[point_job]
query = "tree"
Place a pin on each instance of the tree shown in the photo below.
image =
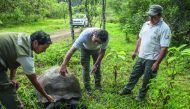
(24, 11)
(87, 12)
(132, 14)
(92, 10)
(103, 14)
(71, 20)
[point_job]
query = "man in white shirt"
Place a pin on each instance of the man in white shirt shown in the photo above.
(152, 45)
(91, 42)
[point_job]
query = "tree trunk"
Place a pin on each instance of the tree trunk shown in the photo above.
(71, 20)
(103, 14)
(87, 12)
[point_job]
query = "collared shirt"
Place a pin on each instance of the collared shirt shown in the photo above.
(85, 40)
(27, 63)
(153, 37)
(18, 48)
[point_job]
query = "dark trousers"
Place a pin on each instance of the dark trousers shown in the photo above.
(85, 61)
(8, 96)
(142, 66)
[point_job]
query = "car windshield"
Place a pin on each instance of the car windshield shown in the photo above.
(79, 16)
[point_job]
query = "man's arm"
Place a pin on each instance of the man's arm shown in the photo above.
(12, 76)
(68, 56)
(136, 49)
(38, 87)
(162, 54)
(99, 59)
(100, 56)
(164, 43)
(28, 66)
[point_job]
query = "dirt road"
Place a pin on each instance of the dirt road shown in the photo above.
(60, 35)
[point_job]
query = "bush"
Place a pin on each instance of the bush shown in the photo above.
(59, 10)
(133, 13)
(24, 11)
(167, 89)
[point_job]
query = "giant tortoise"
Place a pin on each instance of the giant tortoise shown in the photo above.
(63, 89)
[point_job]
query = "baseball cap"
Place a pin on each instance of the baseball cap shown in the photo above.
(155, 10)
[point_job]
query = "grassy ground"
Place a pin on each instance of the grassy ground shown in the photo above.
(48, 25)
(117, 55)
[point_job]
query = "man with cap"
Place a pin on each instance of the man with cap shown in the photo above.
(151, 47)
(91, 42)
(16, 50)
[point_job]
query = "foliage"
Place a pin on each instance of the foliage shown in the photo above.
(172, 80)
(129, 13)
(119, 58)
(133, 13)
(58, 10)
(27, 93)
(24, 11)
(109, 98)
(54, 56)
(166, 88)
(92, 9)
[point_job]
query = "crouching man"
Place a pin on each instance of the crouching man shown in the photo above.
(91, 42)
(16, 50)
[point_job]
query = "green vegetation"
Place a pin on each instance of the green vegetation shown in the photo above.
(169, 90)
(116, 69)
(24, 11)
(132, 14)
(48, 25)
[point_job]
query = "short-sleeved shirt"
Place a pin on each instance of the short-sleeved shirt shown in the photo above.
(27, 64)
(85, 40)
(18, 48)
(153, 37)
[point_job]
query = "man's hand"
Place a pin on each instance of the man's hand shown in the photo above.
(63, 70)
(14, 83)
(12, 78)
(50, 99)
(155, 66)
(94, 69)
(39, 88)
(134, 55)
(162, 54)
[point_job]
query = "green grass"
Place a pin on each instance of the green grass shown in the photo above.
(117, 38)
(48, 25)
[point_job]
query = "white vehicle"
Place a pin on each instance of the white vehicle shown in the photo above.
(80, 20)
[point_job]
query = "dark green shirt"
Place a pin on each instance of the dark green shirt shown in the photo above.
(12, 46)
